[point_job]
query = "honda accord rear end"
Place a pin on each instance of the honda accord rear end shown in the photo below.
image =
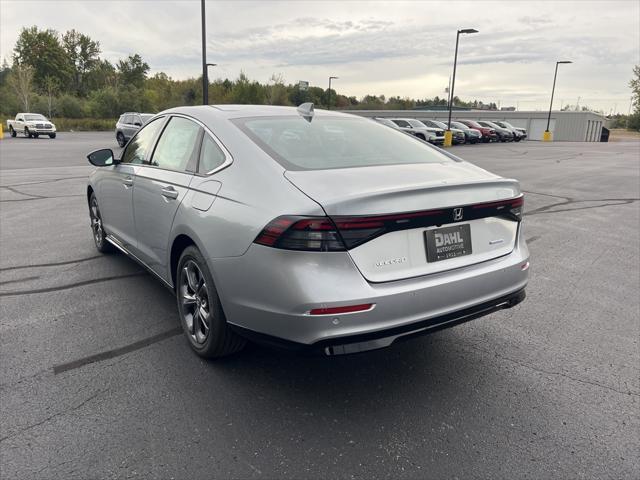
(406, 239)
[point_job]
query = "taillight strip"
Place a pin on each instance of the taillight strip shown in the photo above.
(512, 202)
(339, 233)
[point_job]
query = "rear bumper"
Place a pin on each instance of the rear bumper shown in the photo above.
(383, 338)
(270, 292)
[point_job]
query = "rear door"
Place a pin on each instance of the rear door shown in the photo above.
(161, 185)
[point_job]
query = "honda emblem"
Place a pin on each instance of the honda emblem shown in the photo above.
(457, 214)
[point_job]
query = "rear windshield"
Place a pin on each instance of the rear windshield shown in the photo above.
(330, 142)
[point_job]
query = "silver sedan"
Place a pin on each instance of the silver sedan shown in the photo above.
(309, 230)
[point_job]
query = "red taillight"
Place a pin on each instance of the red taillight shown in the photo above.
(270, 234)
(299, 233)
(338, 310)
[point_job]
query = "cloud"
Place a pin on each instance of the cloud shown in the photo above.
(534, 21)
(391, 48)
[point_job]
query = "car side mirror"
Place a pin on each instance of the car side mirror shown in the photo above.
(102, 158)
(138, 124)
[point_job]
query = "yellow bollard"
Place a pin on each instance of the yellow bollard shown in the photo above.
(547, 136)
(1, 132)
(448, 138)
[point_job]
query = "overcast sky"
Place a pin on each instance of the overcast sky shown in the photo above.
(390, 48)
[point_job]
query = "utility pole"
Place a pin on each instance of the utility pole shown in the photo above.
(205, 78)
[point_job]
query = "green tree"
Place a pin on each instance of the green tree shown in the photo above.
(83, 55)
(247, 92)
(133, 71)
(50, 89)
(41, 50)
(70, 106)
(21, 80)
(276, 91)
(634, 120)
(102, 75)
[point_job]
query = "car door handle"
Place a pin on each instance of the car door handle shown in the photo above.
(170, 192)
(128, 182)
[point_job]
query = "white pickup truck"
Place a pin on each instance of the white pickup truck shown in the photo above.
(31, 125)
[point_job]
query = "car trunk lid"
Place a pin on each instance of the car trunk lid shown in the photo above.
(417, 205)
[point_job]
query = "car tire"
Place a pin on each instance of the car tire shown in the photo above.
(27, 133)
(421, 136)
(97, 228)
(52, 135)
(36, 135)
(12, 132)
(120, 139)
(201, 315)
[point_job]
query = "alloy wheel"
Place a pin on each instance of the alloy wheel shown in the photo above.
(96, 223)
(194, 296)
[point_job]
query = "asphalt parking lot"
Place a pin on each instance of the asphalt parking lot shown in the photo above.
(95, 382)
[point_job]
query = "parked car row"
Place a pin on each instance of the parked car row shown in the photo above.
(464, 131)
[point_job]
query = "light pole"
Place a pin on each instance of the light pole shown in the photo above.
(206, 85)
(329, 92)
(205, 80)
(448, 136)
(546, 136)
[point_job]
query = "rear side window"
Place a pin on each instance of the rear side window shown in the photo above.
(211, 155)
(177, 145)
(138, 148)
(335, 142)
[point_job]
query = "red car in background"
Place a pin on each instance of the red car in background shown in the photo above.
(488, 134)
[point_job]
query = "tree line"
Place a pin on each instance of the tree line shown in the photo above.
(64, 75)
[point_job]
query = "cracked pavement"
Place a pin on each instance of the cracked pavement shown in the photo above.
(96, 382)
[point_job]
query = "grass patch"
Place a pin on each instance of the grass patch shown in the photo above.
(621, 135)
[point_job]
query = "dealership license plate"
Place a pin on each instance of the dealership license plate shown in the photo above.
(448, 242)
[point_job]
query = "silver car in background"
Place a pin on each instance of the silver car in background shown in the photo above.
(128, 124)
(309, 230)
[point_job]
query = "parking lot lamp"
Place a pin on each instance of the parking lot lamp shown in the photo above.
(205, 79)
(329, 93)
(206, 86)
(448, 136)
(546, 136)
